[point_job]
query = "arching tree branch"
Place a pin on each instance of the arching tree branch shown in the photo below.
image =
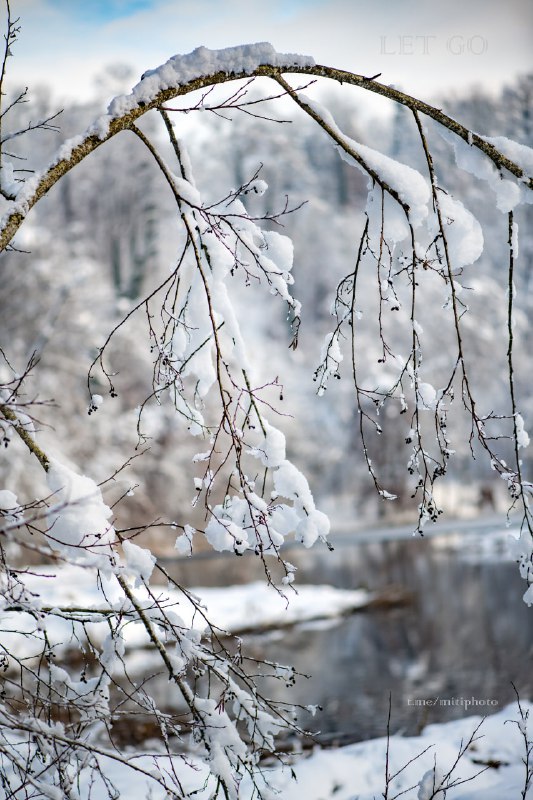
(95, 136)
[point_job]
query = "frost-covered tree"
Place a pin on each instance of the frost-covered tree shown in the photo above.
(412, 260)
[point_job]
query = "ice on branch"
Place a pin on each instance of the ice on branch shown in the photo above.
(90, 695)
(429, 786)
(388, 219)
(78, 519)
(226, 750)
(521, 548)
(258, 187)
(410, 186)
(177, 71)
(187, 191)
(263, 255)
(184, 542)
(225, 530)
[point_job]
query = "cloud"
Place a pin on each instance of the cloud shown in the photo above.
(426, 48)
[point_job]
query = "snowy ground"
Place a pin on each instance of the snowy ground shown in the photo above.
(357, 772)
(490, 768)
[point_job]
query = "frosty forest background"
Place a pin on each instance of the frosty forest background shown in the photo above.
(265, 378)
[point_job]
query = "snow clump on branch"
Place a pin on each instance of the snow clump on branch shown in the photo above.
(182, 69)
(78, 521)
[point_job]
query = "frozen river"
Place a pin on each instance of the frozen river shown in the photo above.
(453, 649)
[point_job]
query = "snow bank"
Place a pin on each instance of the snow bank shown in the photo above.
(233, 609)
(346, 773)
(357, 771)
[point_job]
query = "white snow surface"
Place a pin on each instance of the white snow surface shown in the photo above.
(8, 500)
(411, 187)
(139, 561)
(182, 69)
(260, 605)
(355, 772)
(271, 450)
(78, 519)
(462, 230)
(521, 154)
(509, 193)
(522, 436)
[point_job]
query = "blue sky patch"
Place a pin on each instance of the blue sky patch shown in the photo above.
(101, 11)
(290, 8)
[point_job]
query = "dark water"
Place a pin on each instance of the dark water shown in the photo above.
(464, 638)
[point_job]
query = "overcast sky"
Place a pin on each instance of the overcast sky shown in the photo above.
(421, 45)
